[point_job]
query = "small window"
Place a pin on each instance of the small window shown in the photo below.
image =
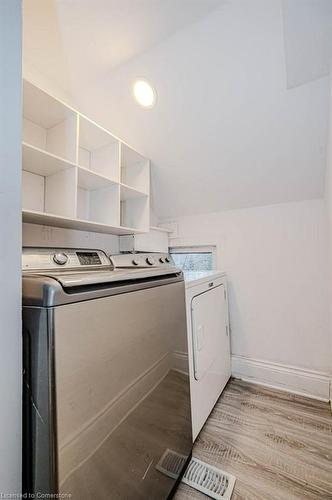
(193, 258)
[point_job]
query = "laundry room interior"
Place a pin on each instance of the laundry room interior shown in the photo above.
(166, 249)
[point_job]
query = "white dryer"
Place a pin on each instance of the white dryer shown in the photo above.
(208, 341)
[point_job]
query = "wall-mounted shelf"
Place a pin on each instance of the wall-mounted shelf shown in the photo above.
(128, 193)
(161, 229)
(41, 162)
(35, 217)
(91, 180)
(78, 175)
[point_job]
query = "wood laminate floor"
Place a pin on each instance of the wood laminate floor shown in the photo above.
(278, 445)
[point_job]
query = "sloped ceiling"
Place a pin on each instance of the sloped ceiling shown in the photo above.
(308, 39)
(76, 42)
(225, 132)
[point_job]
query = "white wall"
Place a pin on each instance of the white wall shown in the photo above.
(45, 236)
(276, 262)
(328, 206)
(10, 246)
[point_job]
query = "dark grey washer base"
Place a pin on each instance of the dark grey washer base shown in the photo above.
(39, 467)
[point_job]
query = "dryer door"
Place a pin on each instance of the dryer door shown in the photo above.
(208, 329)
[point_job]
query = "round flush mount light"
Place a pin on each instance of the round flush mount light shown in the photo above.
(144, 93)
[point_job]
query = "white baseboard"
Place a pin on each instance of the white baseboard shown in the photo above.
(180, 361)
(283, 377)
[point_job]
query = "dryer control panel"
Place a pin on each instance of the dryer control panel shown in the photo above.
(127, 260)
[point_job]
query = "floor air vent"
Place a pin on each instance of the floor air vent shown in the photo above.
(209, 480)
(171, 463)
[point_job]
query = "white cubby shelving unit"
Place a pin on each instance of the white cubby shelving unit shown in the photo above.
(78, 175)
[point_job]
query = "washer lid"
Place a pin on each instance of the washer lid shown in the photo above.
(81, 278)
(48, 289)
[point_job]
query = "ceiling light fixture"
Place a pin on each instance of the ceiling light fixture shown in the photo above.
(144, 93)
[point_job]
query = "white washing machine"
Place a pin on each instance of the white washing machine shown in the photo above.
(208, 341)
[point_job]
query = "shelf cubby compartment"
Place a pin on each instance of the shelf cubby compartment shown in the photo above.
(98, 198)
(135, 169)
(48, 124)
(134, 209)
(98, 150)
(52, 193)
(40, 162)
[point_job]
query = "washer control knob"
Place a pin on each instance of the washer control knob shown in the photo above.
(162, 260)
(60, 258)
(150, 260)
(168, 260)
(135, 262)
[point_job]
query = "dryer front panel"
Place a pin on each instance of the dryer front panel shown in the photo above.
(208, 329)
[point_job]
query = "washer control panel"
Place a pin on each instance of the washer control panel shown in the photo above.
(89, 258)
(125, 260)
(34, 259)
(60, 258)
